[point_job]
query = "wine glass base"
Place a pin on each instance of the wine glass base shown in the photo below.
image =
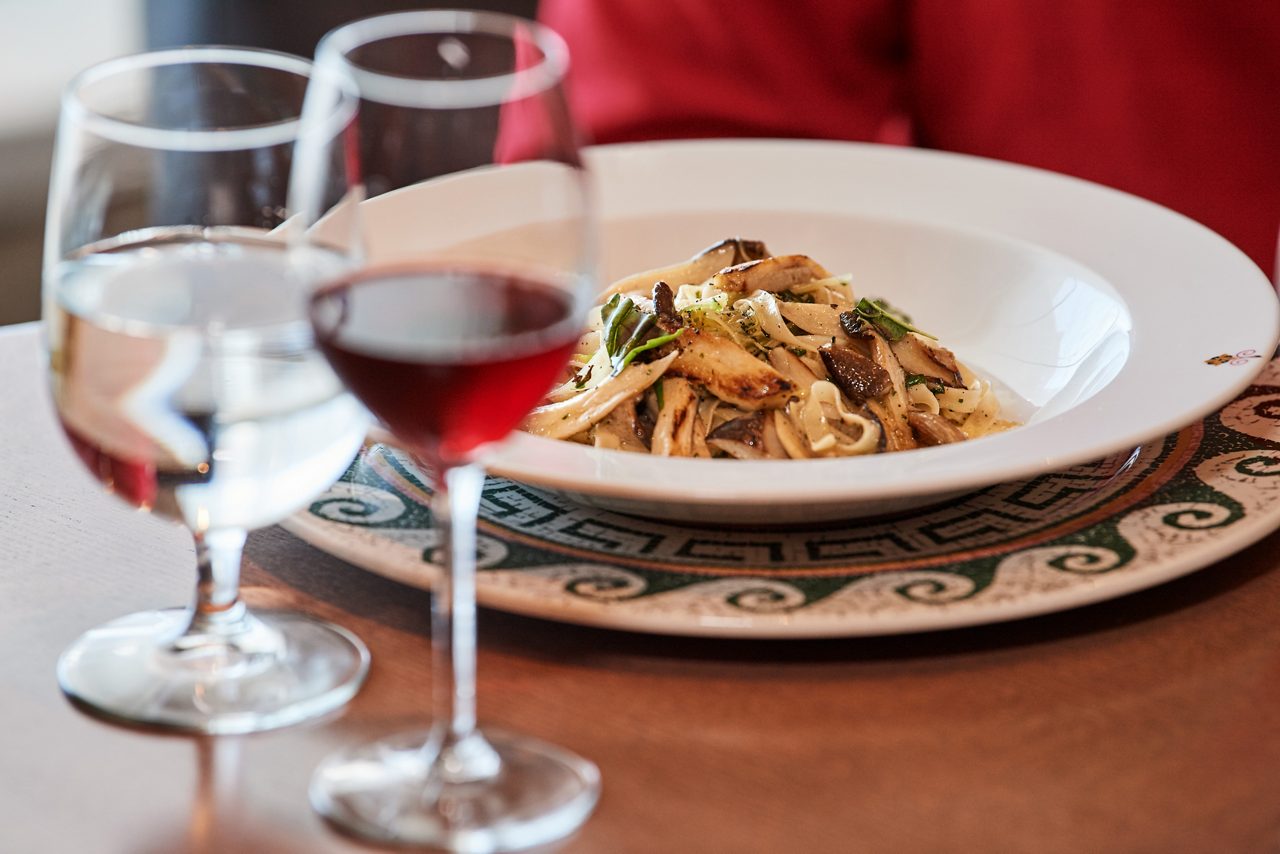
(382, 791)
(140, 669)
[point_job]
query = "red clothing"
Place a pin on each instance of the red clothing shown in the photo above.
(1178, 102)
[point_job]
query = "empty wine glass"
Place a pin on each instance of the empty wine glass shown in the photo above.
(185, 375)
(455, 167)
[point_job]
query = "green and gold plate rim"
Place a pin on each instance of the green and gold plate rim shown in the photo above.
(1085, 534)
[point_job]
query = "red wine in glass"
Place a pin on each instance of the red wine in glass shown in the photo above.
(450, 358)
(453, 129)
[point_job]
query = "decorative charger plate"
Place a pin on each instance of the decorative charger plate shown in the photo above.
(1083, 534)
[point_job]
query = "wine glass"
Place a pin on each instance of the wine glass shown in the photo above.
(185, 373)
(454, 167)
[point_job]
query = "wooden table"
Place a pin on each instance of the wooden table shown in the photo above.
(1149, 723)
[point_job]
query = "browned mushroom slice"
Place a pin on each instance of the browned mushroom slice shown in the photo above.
(933, 429)
(695, 270)
(852, 324)
(743, 250)
(729, 372)
(944, 357)
(857, 375)
(891, 408)
(664, 309)
(895, 431)
(918, 356)
(893, 419)
(673, 431)
(742, 438)
(778, 273)
(666, 320)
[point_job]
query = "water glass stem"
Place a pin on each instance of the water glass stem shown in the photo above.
(218, 609)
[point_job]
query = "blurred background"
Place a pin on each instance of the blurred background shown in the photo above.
(1175, 102)
(45, 42)
(42, 45)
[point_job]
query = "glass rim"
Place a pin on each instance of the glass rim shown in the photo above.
(434, 93)
(142, 135)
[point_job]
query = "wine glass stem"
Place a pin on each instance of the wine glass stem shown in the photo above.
(463, 754)
(218, 609)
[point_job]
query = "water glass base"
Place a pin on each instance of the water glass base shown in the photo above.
(390, 792)
(142, 669)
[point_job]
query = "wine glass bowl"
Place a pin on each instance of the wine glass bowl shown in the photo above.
(186, 377)
(449, 340)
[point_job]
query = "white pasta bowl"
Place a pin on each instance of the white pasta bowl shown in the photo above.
(1100, 316)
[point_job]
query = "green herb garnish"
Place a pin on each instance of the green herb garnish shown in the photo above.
(626, 329)
(620, 364)
(615, 313)
(657, 393)
(892, 326)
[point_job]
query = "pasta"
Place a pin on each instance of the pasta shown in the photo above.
(739, 353)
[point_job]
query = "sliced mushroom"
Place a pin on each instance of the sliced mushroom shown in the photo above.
(891, 438)
(933, 429)
(918, 355)
(773, 446)
(816, 318)
(673, 431)
(944, 357)
(742, 438)
(896, 405)
(789, 435)
(700, 446)
(794, 369)
(857, 375)
(619, 430)
(852, 324)
(570, 417)
(729, 372)
(645, 419)
(697, 269)
(667, 320)
(777, 273)
(664, 307)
